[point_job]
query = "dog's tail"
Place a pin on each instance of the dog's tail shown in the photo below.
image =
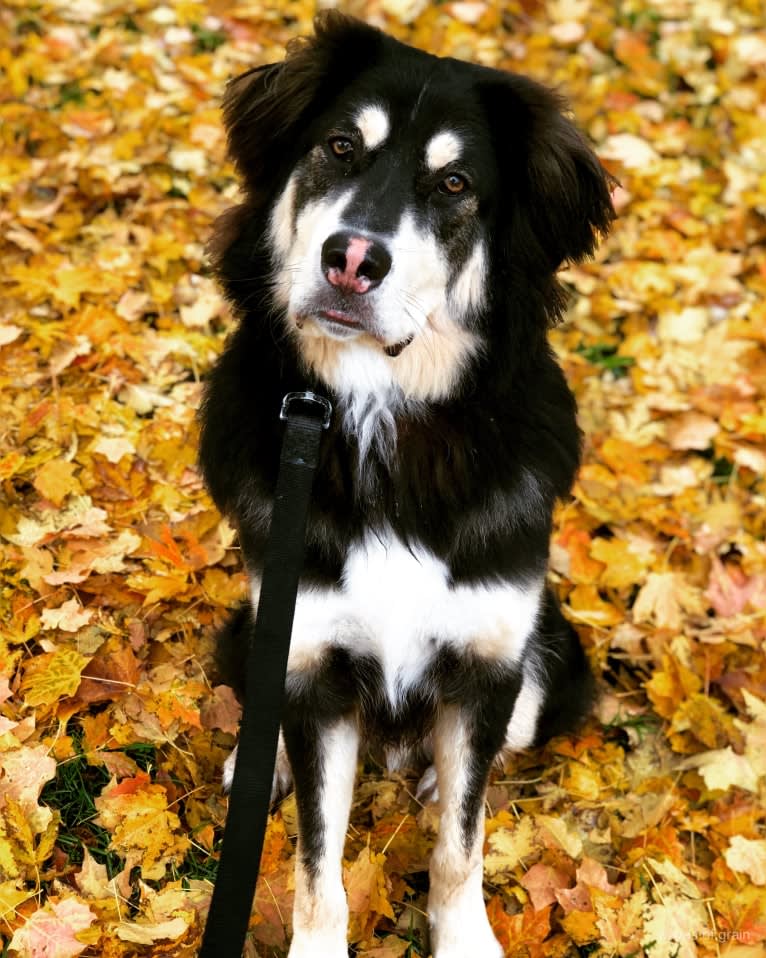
(569, 683)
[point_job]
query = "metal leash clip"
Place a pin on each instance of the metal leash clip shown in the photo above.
(310, 398)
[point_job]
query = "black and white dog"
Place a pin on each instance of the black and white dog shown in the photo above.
(403, 220)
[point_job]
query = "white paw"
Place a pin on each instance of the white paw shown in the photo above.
(462, 931)
(466, 944)
(318, 946)
(428, 787)
(283, 776)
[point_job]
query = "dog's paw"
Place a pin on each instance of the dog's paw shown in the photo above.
(318, 946)
(462, 930)
(480, 943)
(283, 776)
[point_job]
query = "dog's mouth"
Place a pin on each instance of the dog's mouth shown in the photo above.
(342, 319)
(340, 322)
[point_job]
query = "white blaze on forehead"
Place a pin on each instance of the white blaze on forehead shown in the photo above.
(443, 149)
(373, 124)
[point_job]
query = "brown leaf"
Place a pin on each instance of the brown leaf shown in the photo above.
(222, 710)
(110, 673)
(542, 882)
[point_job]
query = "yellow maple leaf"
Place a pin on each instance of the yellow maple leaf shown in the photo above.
(671, 685)
(624, 567)
(588, 606)
(704, 720)
(56, 480)
(142, 827)
(581, 926)
(368, 891)
(21, 846)
(508, 848)
(51, 676)
(71, 282)
(158, 587)
(620, 928)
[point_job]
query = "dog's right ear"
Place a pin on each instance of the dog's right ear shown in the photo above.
(265, 110)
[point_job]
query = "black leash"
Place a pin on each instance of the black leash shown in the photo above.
(307, 415)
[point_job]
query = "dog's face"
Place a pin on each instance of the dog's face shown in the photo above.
(378, 233)
(406, 197)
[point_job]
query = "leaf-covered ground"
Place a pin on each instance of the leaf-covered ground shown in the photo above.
(645, 834)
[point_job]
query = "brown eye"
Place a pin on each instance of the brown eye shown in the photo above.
(453, 184)
(342, 147)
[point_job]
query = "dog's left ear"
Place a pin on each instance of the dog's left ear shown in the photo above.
(570, 190)
(559, 185)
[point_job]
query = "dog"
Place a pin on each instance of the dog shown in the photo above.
(396, 250)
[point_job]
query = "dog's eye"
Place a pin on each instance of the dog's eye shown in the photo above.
(342, 147)
(453, 184)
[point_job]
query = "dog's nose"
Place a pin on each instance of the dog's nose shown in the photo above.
(355, 264)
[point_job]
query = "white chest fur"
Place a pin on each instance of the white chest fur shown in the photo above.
(396, 603)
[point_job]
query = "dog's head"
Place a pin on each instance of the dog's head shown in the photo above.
(406, 198)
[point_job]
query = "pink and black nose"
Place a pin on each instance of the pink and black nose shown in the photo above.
(355, 264)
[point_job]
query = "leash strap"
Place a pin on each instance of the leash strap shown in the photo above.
(307, 415)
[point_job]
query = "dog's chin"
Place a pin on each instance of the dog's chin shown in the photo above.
(343, 327)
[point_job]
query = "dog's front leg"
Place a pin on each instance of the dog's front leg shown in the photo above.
(323, 759)
(462, 756)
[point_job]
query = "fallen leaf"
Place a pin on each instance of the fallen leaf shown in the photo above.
(56, 480)
(114, 448)
(69, 617)
(673, 927)
(542, 882)
(747, 856)
(142, 828)
(724, 769)
(507, 849)
(368, 893)
(51, 931)
(223, 711)
(51, 676)
(665, 598)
